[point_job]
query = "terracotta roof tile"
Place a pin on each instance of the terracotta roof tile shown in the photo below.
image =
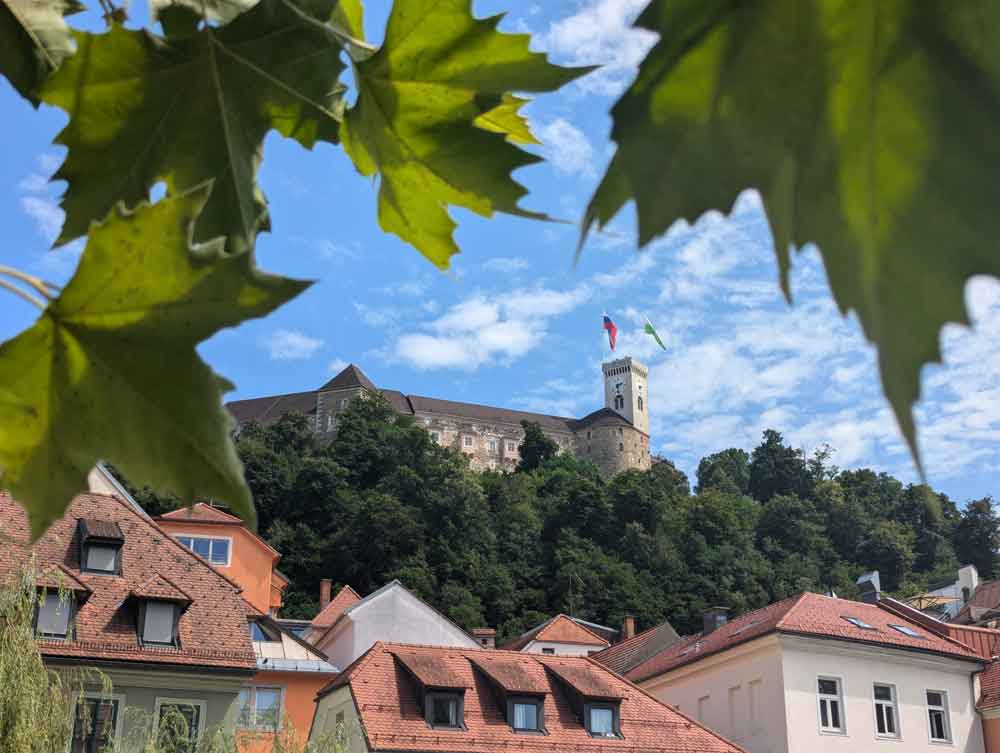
(201, 512)
(387, 700)
(429, 670)
(345, 598)
(558, 629)
(989, 686)
(159, 587)
(985, 599)
(101, 529)
(56, 576)
(631, 652)
(511, 674)
(213, 629)
(804, 614)
(585, 678)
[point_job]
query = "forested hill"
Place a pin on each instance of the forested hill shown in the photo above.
(507, 550)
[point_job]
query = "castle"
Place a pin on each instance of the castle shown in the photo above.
(615, 437)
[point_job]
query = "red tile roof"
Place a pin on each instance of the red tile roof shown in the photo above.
(989, 686)
(202, 513)
(588, 679)
(387, 702)
(56, 576)
(621, 657)
(805, 614)
(985, 599)
(345, 598)
(428, 670)
(558, 629)
(159, 587)
(213, 629)
(510, 673)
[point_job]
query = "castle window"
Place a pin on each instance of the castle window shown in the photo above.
(467, 440)
(511, 447)
(343, 403)
(620, 433)
(492, 444)
(588, 435)
(619, 402)
(640, 402)
(621, 447)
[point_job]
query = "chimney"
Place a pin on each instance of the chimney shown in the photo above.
(486, 637)
(870, 588)
(628, 627)
(714, 618)
(325, 586)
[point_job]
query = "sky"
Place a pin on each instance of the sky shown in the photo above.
(513, 323)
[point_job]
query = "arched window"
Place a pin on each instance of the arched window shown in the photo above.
(640, 402)
(619, 402)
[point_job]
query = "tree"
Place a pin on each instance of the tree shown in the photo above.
(977, 537)
(727, 471)
(889, 548)
(536, 448)
(776, 468)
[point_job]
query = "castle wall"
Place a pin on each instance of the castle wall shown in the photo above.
(613, 448)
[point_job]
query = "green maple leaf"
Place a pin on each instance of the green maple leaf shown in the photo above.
(34, 40)
(506, 118)
(194, 107)
(417, 119)
(109, 371)
(868, 127)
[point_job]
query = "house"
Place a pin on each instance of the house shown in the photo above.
(635, 649)
(563, 635)
(290, 671)
(166, 628)
(816, 673)
(946, 598)
(231, 547)
(424, 699)
(390, 614)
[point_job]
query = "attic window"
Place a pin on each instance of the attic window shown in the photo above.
(907, 631)
(858, 622)
(54, 615)
(259, 632)
(101, 544)
(525, 714)
(603, 719)
(444, 710)
(158, 622)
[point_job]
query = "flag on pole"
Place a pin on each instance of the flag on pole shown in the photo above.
(612, 330)
(648, 329)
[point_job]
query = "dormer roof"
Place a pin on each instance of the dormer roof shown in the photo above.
(160, 589)
(350, 377)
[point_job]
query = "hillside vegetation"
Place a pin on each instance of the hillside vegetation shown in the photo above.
(382, 501)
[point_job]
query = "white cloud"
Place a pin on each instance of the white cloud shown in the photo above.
(289, 345)
(567, 148)
(601, 32)
(376, 316)
(337, 365)
(506, 264)
(46, 215)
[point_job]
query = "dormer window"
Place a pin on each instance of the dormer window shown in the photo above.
(101, 544)
(602, 719)
(158, 622)
(444, 710)
(54, 615)
(525, 714)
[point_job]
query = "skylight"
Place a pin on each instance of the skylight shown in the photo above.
(906, 631)
(857, 622)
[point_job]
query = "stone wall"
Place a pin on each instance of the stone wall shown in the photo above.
(613, 448)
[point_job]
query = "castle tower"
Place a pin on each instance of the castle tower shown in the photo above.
(626, 391)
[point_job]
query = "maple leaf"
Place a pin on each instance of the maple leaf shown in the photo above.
(418, 120)
(109, 371)
(193, 107)
(34, 40)
(868, 128)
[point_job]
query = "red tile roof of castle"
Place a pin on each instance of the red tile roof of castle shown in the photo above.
(386, 696)
(558, 629)
(806, 614)
(213, 628)
(346, 597)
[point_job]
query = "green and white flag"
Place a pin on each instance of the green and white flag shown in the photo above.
(648, 329)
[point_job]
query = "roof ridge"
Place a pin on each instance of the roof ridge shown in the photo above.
(577, 624)
(797, 600)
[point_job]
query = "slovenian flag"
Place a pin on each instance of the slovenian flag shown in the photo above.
(612, 330)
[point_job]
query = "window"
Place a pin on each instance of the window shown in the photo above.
(260, 708)
(588, 435)
(621, 447)
(602, 719)
(937, 716)
(101, 544)
(857, 622)
(215, 551)
(54, 613)
(511, 446)
(95, 724)
(908, 631)
(831, 715)
(492, 445)
(344, 402)
(619, 402)
(886, 714)
(102, 558)
(525, 714)
(640, 403)
(259, 632)
(444, 710)
(180, 722)
(548, 650)
(467, 440)
(158, 622)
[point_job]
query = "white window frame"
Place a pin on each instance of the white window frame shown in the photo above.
(492, 445)
(192, 537)
(839, 698)
(468, 440)
(892, 703)
(945, 710)
(253, 708)
(97, 695)
(167, 701)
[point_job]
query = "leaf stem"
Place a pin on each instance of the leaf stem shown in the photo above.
(43, 287)
(21, 292)
(357, 49)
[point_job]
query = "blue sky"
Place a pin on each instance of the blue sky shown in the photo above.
(513, 324)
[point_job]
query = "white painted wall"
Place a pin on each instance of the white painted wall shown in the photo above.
(738, 694)
(803, 659)
(393, 615)
(329, 707)
(562, 649)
